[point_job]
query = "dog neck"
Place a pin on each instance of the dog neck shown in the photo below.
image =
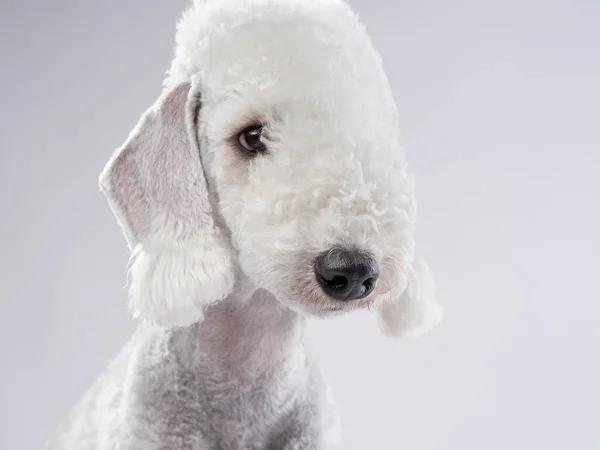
(251, 335)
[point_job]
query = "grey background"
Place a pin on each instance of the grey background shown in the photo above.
(500, 103)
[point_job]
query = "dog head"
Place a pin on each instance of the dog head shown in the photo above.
(273, 155)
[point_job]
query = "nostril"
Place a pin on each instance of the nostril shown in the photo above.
(337, 282)
(369, 284)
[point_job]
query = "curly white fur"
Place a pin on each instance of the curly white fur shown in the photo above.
(224, 245)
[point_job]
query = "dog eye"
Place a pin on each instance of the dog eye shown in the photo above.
(250, 140)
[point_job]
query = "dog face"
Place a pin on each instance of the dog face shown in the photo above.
(307, 169)
(282, 111)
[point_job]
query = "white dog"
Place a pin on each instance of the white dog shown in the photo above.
(265, 185)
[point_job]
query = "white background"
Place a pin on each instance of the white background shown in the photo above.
(500, 105)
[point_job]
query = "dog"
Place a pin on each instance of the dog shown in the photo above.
(266, 185)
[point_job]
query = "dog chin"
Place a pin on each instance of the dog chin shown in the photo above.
(325, 312)
(333, 311)
(311, 303)
(324, 309)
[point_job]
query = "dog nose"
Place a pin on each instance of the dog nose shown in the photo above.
(346, 274)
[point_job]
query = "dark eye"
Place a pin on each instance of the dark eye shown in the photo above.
(250, 140)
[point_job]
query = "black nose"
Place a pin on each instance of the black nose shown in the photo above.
(346, 274)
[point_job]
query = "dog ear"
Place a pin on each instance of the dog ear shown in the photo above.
(156, 187)
(416, 311)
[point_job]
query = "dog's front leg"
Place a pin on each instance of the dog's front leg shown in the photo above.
(299, 435)
(309, 428)
(302, 443)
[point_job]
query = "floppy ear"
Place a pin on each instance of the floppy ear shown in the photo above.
(156, 187)
(416, 311)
